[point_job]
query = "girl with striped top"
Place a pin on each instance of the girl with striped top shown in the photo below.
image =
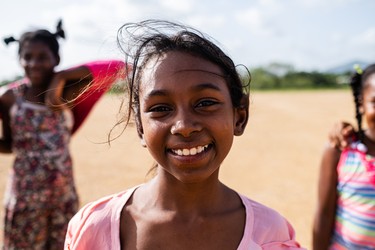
(345, 216)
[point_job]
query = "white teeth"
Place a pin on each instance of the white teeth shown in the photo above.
(185, 151)
(191, 151)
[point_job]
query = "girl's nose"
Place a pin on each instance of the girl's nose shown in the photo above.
(30, 63)
(34, 62)
(185, 126)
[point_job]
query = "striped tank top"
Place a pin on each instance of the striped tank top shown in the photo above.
(355, 212)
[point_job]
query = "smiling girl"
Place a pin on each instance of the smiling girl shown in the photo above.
(345, 215)
(188, 103)
(37, 123)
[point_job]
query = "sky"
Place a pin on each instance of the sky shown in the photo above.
(307, 34)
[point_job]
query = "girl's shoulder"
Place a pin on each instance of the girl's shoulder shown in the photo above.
(9, 92)
(102, 207)
(8, 98)
(260, 214)
(97, 218)
(355, 151)
(268, 228)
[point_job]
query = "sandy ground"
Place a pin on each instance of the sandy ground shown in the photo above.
(275, 162)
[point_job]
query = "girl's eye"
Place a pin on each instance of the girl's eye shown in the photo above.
(159, 108)
(42, 58)
(159, 111)
(26, 57)
(206, 103)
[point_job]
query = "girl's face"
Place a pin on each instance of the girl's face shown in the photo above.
(369, 101)
(38, 62)
(187, 117)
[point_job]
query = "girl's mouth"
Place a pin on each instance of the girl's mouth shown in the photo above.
(190, 151)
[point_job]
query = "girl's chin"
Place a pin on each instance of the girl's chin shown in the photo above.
(38, 81)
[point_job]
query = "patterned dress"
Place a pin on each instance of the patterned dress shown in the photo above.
(355, 212)
(41, 197)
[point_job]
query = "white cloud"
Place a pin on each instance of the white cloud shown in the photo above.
(324, 3)
(178, 6)
(253, 20)
(367, 37)
(212, 22)
(307, 33)
(272, 5)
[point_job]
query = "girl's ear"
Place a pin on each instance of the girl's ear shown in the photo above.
(241, 116)
(143, 142)
(138, 123)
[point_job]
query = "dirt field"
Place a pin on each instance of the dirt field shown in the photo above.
(275, 162)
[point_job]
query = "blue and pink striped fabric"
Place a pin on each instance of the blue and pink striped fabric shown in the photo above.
(355, 213)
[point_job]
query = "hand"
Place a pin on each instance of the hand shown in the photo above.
(341, 135)
(66, 85)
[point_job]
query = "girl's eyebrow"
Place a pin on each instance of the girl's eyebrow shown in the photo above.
(156, 92)
(207, 85)
(201, 86)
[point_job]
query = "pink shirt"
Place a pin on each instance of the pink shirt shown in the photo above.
(97, 226)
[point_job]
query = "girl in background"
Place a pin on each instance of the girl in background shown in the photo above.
(188, 103)
(39, 115)
(345, 216)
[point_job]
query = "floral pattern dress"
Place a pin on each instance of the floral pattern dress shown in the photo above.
(41, 196)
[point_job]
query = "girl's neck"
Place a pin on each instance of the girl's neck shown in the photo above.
(369, 141)
(187, 198)
(370, 135)
(35, 94)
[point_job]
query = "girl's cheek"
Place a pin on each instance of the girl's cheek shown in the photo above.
(23, 62)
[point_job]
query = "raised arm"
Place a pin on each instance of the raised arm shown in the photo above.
(67, 85)
(81, 87)
(92, 78)
(327, 198)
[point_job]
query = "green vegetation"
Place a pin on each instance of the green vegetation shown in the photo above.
(278, 76)
(5, 82)
(275, 76)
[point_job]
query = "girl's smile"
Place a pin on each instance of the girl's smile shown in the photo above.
(38, 61)
(190, 151)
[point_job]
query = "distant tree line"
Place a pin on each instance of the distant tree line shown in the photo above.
(284, 76)
(5, 82)
(274, 76)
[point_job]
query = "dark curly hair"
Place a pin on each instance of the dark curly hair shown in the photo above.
(358, 84)
(48, 38)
